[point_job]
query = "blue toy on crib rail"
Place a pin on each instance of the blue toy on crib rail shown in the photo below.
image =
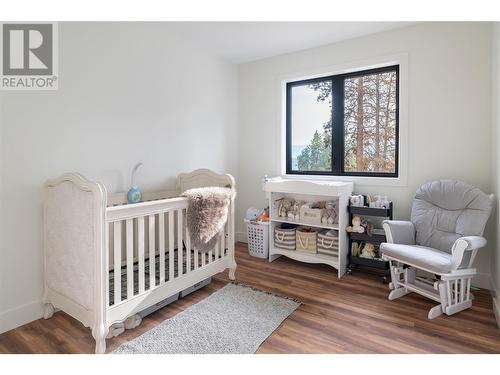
(134, 194)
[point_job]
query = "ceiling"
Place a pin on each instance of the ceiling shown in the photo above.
(241, 42)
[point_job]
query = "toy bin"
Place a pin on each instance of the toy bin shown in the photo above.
(306, 240)
(328, 243)
(284, 238)
(258, 238)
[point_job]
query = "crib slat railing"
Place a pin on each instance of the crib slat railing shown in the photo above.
(117, 272)
(152, 251)
(132, 211)
(171, 259)
(153, 239)
(188, 250)
(161, 246)
(217, 247)
(140, 253)
(196, 259)
(222, 244)
(129, 228)
(179, 243)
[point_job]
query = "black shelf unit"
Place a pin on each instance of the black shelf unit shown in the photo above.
(373, 266)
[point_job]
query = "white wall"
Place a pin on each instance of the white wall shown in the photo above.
(127, 93)
(449, 110)
(495, 256)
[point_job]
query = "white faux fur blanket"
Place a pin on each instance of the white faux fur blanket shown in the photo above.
(206, 215)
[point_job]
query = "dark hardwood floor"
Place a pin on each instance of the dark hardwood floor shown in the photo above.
(348, 315)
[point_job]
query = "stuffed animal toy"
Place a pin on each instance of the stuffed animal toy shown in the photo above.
(253, 213)
(294, 211)
(356, 225)
(320, 204)
(368, 227)
(285, 206)
(264, 216)
(368, 251)
(330, 214)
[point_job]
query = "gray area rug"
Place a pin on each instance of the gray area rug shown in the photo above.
(235, 320)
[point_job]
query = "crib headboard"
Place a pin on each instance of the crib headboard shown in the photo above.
(202, 178)
(73, 230)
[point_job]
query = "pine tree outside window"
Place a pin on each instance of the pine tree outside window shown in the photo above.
(344, 125)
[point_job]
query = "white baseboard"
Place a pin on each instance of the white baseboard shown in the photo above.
(496, 310)
(482, 280)
(241, 237)
(20, 315)
(496, 303)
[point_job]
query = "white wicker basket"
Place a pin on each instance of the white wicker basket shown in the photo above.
(258, 238)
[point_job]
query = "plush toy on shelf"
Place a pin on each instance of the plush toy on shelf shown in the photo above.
(330, 214)
(368, 251)
(294, 211)
(356, 226)
(368, 227)
(284, 206)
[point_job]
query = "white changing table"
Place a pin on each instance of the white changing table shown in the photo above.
(309, 191)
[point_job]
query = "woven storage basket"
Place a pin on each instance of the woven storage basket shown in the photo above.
(306, 241)
(328, 243)
(284, 238)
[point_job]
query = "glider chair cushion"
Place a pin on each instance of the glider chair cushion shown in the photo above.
(443, 211)
(398, 231)
(420, 256)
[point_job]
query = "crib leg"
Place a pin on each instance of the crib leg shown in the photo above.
(232, 262)
(99, 333)
(232, 272)
(232, 265)
(48, 310)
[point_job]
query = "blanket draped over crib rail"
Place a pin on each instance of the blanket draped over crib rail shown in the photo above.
(206, 215)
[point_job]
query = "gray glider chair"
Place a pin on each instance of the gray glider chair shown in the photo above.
(447, 223)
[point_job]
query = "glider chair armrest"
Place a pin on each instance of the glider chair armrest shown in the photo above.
(463, 245)
(399, 232)
(472, 242)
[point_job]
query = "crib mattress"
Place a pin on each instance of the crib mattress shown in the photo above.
(147, 274)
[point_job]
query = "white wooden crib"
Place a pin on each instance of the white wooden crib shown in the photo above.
(106, 260)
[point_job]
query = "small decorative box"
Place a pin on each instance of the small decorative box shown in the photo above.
(310, 215)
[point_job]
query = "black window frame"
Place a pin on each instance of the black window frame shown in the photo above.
(338, 124)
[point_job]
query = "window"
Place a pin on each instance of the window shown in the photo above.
(344, 125)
